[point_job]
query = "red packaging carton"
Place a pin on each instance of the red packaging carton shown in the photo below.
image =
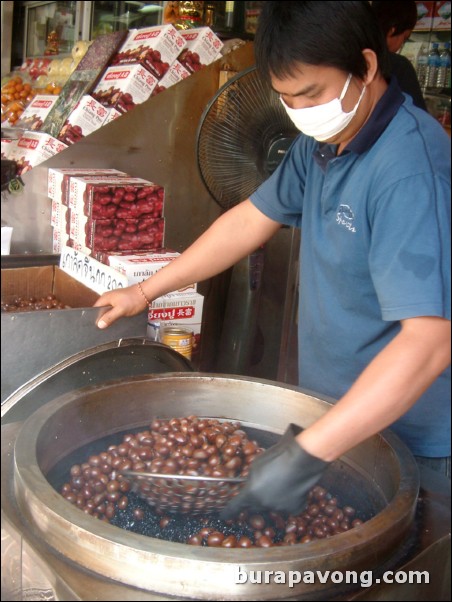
(112, 115)
(125, 86)
(9, 148)
(176, 309)
(203, 47)
(33, 148)
(119, 198)
(58, 179)
(175, 74)
(156, 48)
(87, 117)
(98, 236)
(83, 79)
(36, 112)
(139, 267)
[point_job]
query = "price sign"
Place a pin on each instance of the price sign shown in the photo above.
(90, 272)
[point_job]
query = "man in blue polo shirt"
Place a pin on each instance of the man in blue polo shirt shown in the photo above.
(368, 183)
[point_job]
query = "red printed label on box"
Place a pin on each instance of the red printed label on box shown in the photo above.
(176, 306)
(166, 314)
(36, 112)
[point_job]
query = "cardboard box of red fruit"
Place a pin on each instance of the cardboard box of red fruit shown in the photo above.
(58, 182)
(112, 115)
(96, 236)
(175, 74)
(8, 148)
(119, 198)
(87, 117)
(36, 112)
(33, 148)
(203, 47)
(83, 79)
(58, 179)
(156, 48)
(124, 86)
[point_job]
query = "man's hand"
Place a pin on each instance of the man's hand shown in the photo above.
(279, 479)
(124, 302)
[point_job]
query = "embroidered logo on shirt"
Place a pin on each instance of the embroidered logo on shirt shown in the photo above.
(346, 217)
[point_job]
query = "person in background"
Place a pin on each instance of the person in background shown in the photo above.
(397, 21)
(368, 183)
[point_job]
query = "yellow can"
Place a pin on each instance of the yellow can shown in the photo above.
(179, 339)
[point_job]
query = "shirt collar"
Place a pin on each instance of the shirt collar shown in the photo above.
(381, 116)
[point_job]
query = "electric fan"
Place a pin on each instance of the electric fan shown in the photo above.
(243, 136)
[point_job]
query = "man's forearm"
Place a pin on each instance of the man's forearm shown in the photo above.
(387, 388)
(234, 235)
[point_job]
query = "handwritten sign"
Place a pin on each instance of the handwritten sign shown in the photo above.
(90, 272)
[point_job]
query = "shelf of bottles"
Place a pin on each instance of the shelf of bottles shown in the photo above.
(428, 48)
(433, 69)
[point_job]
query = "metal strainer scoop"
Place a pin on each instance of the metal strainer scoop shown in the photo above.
(184, 493)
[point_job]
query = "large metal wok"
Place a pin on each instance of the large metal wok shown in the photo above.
(380, 476)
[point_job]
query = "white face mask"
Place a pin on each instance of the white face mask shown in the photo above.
(323, 122)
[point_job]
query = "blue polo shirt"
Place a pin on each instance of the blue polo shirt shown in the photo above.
(375, 249)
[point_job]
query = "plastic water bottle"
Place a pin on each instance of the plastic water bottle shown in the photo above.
(432, 66)
(443, 77)
(421, 66)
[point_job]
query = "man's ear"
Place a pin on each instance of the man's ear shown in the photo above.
(372, 65)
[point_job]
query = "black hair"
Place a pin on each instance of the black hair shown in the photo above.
(333, 34)
(401, 16)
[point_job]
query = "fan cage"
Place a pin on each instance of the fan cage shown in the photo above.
(237, 131)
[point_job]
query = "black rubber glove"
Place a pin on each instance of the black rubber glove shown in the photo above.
(279, 479)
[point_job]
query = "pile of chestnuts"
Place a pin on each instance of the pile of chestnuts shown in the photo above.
(34, 303)
(195, 446)
(321, 519)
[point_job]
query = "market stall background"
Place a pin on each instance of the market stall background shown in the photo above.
(156, 141)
